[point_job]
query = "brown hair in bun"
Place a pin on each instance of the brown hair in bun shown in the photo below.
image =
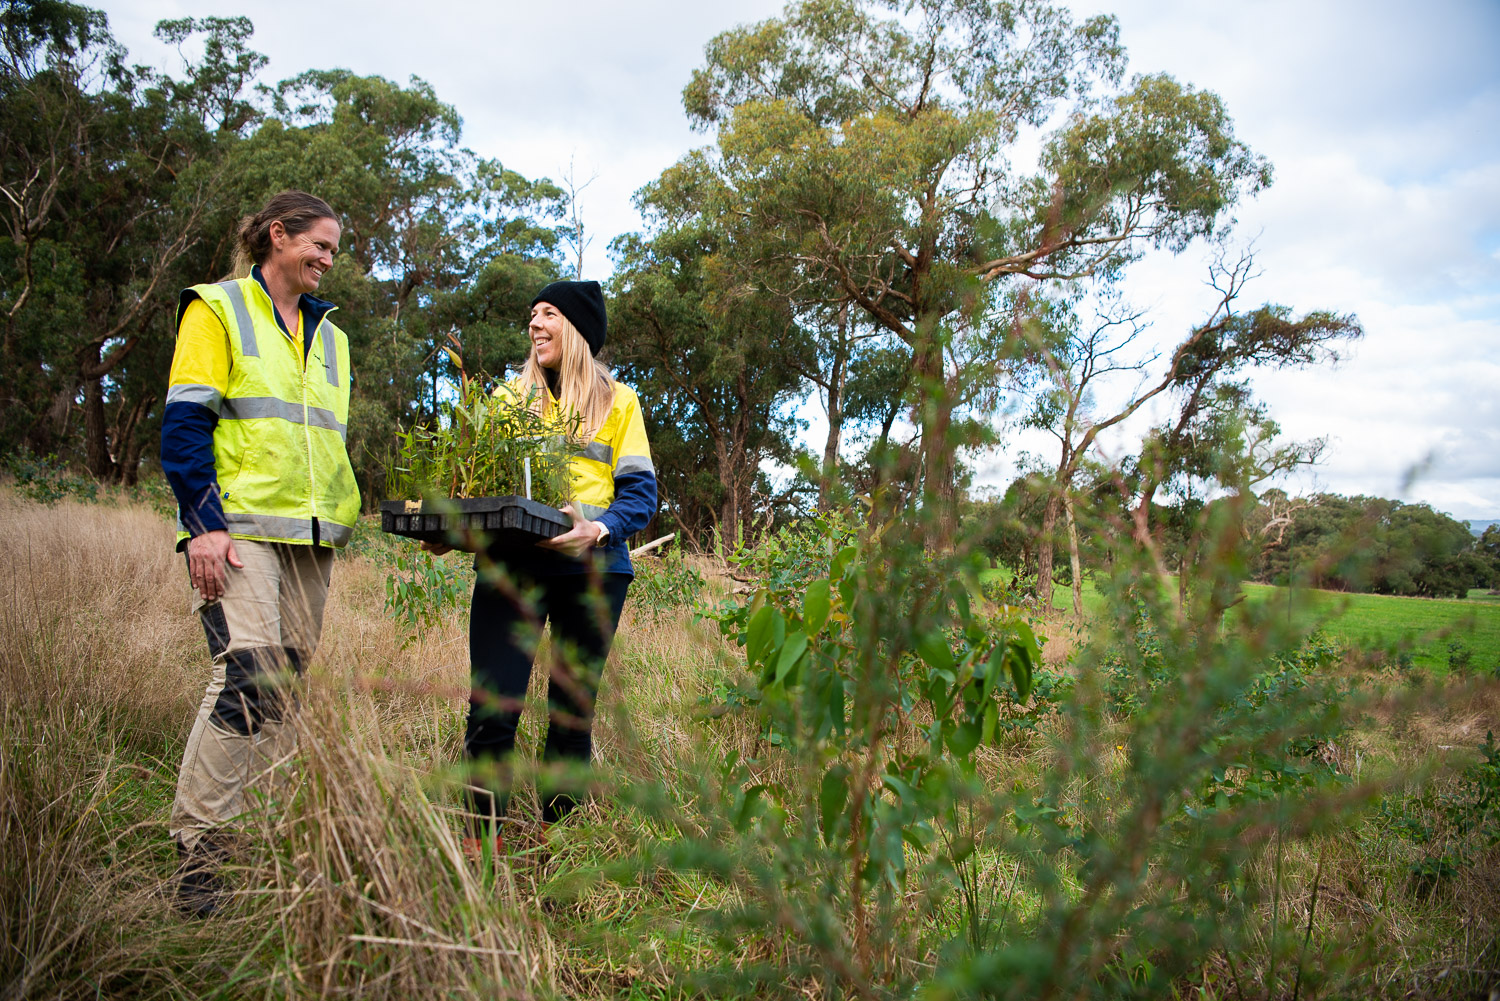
(297, 211)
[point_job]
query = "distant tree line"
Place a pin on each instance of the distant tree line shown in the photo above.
(1360, 544)
(1377, 545)
(858, 226)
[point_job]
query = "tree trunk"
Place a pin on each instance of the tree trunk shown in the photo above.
(96, 435)
(1182, 575)
(835, 390)
(729, 507)
(1074, 561)
(127, 443)
(936, 409)
(1044, 555)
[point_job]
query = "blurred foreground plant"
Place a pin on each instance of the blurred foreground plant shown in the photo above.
(871, 808)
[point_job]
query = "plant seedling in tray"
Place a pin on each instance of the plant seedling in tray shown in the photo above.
(490, 470)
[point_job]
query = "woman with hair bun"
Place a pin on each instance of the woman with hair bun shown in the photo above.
(579, 579)
(253, 446)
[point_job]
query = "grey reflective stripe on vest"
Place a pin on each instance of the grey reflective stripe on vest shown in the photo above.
(589, 511)
(599, 452)
(245, 408)
(635, 464)
(267, 526)
(206, 396)
(248, 347)
(330, 355)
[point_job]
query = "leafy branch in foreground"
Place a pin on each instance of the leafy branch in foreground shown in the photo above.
(880, 825)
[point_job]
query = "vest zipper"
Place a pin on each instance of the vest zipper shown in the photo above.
(312, 504)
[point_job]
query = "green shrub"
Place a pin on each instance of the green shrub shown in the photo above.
(422, 590)
(664, 583)
(47, 479)
(865, 811)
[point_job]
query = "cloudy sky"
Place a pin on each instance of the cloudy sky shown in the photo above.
(1382, 122)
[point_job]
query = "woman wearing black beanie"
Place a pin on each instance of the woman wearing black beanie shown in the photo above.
(579, 578)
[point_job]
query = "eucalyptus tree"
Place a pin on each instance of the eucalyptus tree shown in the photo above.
(111, 175)
(867, 146)
(717, 373)
(1073, 358)
(1216, 432)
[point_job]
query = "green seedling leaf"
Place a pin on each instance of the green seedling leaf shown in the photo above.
(934, 650)
(833, 795)
(964, 738)
(994, 672)
(791, 652)
(841, 562)
(1020, 670)
(848, 591)
(749, 807)
(961, 602)
(758, 634)
(900, 787)
(815, 605)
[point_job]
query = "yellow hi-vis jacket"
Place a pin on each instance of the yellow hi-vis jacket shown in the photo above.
(278, 445)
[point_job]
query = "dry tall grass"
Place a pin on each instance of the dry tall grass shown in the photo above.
(349, 878)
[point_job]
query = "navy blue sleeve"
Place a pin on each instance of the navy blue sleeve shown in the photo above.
(187, 457)
(632, 508)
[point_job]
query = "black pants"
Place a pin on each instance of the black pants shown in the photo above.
(584, 610)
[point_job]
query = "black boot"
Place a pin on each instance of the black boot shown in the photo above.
(200, 886)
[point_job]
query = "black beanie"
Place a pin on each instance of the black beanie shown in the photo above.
(583, 304)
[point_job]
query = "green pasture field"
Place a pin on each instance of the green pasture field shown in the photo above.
(1436, 634)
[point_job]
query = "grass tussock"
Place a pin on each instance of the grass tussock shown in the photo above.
(348, 876)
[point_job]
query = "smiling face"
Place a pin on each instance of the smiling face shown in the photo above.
(546, 330)
(301, 259)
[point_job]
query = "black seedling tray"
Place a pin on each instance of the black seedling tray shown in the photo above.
(472, 523)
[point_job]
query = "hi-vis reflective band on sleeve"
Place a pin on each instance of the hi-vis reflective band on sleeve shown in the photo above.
(206, 396)
(635, 464)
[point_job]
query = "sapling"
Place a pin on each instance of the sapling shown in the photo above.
(486, 445)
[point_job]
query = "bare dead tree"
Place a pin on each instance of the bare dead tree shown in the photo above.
(574, 233)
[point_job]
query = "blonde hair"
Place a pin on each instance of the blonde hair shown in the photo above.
(584, 385)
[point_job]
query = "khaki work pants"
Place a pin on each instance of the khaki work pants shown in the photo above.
(261, 634)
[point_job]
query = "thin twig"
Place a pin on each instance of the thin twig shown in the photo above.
(477, 950)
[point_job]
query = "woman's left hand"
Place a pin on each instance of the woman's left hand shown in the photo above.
(577, 540)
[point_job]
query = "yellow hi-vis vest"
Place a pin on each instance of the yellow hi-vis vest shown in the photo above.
(279, 444)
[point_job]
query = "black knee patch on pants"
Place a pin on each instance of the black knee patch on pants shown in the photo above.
(254, 690)
(215, 628)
